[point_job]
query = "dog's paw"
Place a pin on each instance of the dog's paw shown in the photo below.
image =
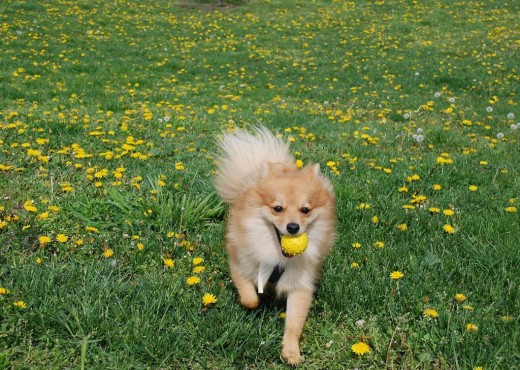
(291, 355)
(250, 301)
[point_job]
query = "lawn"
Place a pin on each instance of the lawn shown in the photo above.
(111, 236)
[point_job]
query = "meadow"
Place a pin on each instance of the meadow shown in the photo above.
(111, 235)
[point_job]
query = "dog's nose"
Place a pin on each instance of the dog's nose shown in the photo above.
(293, 228)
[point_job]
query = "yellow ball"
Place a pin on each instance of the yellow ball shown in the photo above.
(294, 245)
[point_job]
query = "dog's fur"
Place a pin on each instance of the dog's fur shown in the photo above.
(257, 175)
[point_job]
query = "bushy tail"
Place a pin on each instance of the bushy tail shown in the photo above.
(243, 156)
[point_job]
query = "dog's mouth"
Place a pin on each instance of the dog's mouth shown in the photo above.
(279, 236)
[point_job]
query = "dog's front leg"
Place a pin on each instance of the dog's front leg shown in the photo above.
(246, 289)
(298, 306)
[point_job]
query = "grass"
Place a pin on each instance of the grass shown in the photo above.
(108, 118)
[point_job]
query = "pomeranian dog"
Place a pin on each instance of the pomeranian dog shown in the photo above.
(269, 198)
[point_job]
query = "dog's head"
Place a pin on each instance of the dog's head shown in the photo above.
(292, 199)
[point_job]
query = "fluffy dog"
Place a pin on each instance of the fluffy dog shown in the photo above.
(269, 197)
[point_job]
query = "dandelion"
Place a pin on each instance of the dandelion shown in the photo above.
(29, 206)
(356, 245)
(92, 229)
(430, 313)
(402, 227)
(360, 348)
(20, 304)
(198, 269)
(192, 280)
(108, 253)
(44, 239)
(208, 299)
(396, 275)
(471, 327)
(299, 163)
(437, 95)
(402, 189)
(62, 238)
(511, 116)
(168, 262)
(473, 188)
(448, 212)
(379, 244)
(140, 246)
(354, 265)
(448, 229)
(459, 297)
(375, 220)
(511, 209)
(436, 187)
(489, 109)
(4, 291)
(360, 323)
(513, 126)
(197, 260)
(38, 261)
(282, 315)
(500, 135)
(363, 206)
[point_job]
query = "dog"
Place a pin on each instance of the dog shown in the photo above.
(270, 197)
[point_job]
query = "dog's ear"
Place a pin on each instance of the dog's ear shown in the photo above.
(313, 170)
(273, 169)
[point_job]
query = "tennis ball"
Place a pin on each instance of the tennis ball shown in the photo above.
(294, 245)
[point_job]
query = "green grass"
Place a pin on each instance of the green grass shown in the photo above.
(108, 117)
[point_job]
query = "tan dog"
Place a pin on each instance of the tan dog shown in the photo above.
(270, 197)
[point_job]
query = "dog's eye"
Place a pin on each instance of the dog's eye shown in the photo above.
(305, 210)
(278, 209)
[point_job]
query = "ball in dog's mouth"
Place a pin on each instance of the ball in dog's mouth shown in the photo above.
(293, 245)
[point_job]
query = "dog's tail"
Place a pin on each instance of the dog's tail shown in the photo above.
(244, 158)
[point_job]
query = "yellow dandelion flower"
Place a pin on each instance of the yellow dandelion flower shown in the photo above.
(471, 327)
(468, 307)
(92, 229)
(140, 246)
(402, 227)
(29, 206)
(511, 209)
(108, 253)
(198, 269)
(434, 210)
(460, 297)
(402, 189)
(436, 187)
(209, 298)
(44, 239)
(20, 304)
(360, 348)
(430, 313)
(354, 265)
(448, 212)
(192, 280)
(448, 229)
(375, 219)
(197, 260)
(168, 262)
(4, 291)
(62, 238)
(396, 275)
(356, 245)
(379, 244)
(473, 188)
(299, 163)
(39, 261)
